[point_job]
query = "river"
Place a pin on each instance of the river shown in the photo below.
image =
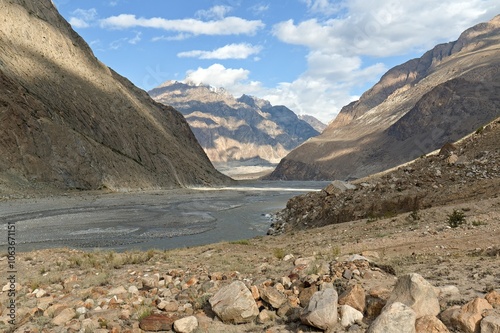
(144, 220)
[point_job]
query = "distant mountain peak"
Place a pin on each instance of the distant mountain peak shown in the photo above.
(236, 129)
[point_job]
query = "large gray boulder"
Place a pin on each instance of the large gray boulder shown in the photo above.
(322, 310)
(234, 304)
(414, 291)
(395, 318)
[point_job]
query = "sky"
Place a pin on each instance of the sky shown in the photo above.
(313, 56)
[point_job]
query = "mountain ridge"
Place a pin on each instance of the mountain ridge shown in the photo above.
(235, 129)
(360, 141)
(70, 122)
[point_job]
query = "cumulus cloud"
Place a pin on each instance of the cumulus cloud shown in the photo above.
(339, 45)
(219, 76)
(226, 26)
(231, 51)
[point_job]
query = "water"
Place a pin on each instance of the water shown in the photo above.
(160, 219)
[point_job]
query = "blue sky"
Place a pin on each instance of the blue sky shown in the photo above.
(313, 56)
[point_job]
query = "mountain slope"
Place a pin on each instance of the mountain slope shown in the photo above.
(68, 121)
(415, 108)
(232, 129)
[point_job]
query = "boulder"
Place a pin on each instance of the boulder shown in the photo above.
(234, 304)
(157, 322)
(322, 310)
(349, 315)
(414, 291)
(493, 297)
(186, 324)
(395, 318)
(490, 324)
(430, 324)
(354, 296)
(272, 296)
(470, 314)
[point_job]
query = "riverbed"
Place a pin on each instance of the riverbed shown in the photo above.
(152, 219)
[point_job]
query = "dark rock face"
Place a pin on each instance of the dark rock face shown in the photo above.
(415, 108)
(68, 121)
(232, 129)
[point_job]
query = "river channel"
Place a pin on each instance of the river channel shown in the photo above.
(144, 220)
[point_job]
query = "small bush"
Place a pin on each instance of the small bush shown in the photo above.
(279, 253)
(456, 219)
(480, 130)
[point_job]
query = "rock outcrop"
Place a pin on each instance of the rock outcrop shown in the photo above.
(70, 122)
(415, 108)
(231, 129)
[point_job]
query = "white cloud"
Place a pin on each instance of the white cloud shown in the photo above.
(78, 23)
(83, 18)
(231, 51)
(136, 39)
(226, 26)
(216, 12)
(380, 28)
(219, 76)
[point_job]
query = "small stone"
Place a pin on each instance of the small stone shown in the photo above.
(288, 257)
(493, 297)
(63, 317)
(414, 291)
(234, 304)
(186, 324)
(304, 261)
(117, 291)
(255, 292)
(265, 316)
(157, 322)
(349, 315)
(490, 324)
(133, 290)
(354, 296)
(322, 310)
(395, 318)
(430, 324)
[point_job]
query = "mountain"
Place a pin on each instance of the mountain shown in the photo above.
(70, 122)
(317, 124)
(465, 172)
(230, 129)
(415, 108)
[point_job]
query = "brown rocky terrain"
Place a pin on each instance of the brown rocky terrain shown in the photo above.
(243, 130)
(70, 122)
(419, 253)
(415, 108)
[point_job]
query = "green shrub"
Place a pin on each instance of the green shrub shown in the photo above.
(456, 218)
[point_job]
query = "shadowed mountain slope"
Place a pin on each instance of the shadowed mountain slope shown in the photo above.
(68, 121)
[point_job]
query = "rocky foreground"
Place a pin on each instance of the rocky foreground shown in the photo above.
(347, 279)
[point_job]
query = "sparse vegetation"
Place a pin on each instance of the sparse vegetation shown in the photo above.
(241, 242)
(279, 253)
(456, 219)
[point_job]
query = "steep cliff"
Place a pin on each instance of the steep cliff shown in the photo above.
(68, 121)
(415, 108)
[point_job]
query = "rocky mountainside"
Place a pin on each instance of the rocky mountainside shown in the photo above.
(415, 108)
(70, 122)
(317, 124)
(461, 172)
(231, 129)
